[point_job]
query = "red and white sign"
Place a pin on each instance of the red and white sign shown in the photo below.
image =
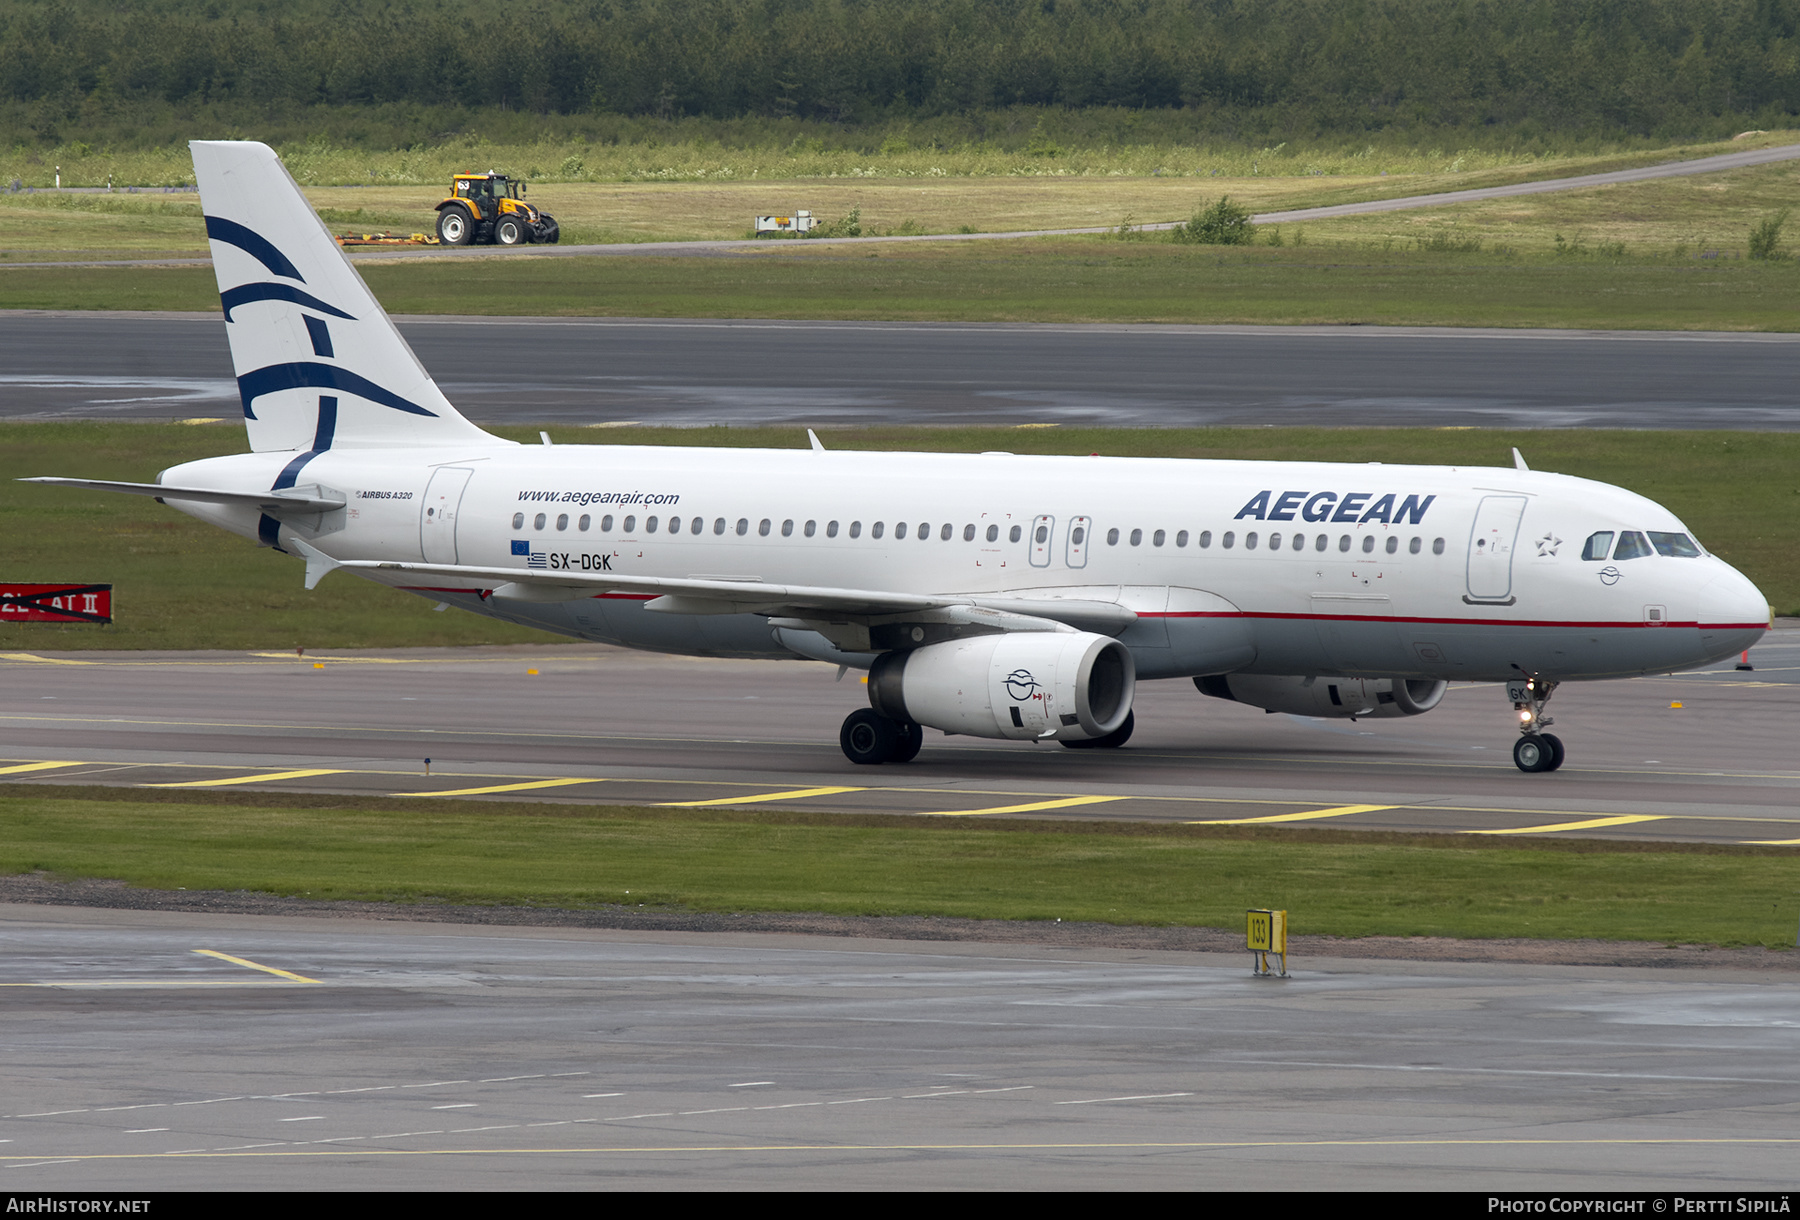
(55, 603)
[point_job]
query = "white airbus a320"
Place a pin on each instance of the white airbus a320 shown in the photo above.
(991, 595)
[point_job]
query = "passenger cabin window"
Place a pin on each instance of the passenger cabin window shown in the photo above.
(1137, 537)
(1250, 541)
(518, 521)
(699, 525)
(1112, 537)
(787, 529)
(1597, 545)
(762, 528)
(1632, 545)
(743, 526)
(606, 524)
(1415, 546)
(562, 521)
(630, 524)
(831, 529)
(993, 534)
(1181, 538)
(968, 533)
(856, 529)
(719, 525)
(1015, 534)
(812, 527)
(1437, 546)
(583, 524)
(946, 529)
(899, 530)
(1675, 546)
(538, 522)
(649, 525)
(1393, 543)
(1157, 538)
(1205, 539)
(875, 531)
(1226, 539)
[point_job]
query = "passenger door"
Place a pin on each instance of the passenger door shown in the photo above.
(1491, 544)
(437, 516)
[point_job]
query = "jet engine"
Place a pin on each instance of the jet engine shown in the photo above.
(1029, 685)
(1341, 697)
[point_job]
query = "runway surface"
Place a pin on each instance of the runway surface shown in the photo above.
(683, 372)
(1700, 757)
(158, 1051)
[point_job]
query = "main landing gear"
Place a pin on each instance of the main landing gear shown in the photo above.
(1111, 741)
(1534, 750)
(868, 738)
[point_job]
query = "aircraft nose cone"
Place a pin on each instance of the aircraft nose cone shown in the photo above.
(1733, 612)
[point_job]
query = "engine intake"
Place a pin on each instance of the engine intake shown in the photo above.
(1029, 685)
(1350, 698)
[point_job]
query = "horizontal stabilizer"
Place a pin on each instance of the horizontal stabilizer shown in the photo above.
(292, 500)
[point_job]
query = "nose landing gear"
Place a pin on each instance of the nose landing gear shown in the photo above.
(1535, 750)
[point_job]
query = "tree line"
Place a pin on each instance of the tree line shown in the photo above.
(1631, 66)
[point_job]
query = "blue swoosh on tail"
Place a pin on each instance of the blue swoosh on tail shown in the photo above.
(309, 374)
(246, 293)
(254, 244)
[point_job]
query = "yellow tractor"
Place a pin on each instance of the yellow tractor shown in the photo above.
(491, 208)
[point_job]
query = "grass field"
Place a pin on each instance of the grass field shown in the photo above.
(1047, 280)
(1341, 884)
(891, 197)
(181, 584)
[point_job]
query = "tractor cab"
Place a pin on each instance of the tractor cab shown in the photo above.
(491, 208)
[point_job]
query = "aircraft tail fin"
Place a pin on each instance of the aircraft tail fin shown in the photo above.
(318, 363)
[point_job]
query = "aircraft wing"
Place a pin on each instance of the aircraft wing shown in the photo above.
(294, 499)
(704, 595)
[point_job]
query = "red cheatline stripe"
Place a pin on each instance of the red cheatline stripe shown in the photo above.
(1471, 622)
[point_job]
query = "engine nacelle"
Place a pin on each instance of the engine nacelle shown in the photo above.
(1350, 698)
(1028, 685)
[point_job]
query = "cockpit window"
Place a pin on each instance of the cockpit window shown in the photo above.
(1677, 546)
(1631, 546)
(1597, 545)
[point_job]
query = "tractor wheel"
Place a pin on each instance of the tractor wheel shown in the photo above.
(511, 231)
(455, 227)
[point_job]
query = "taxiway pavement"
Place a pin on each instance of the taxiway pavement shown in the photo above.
(1704, 756)
(161, 1051)
(596, 371)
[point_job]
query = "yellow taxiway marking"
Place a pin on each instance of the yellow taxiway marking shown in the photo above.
(1067, 802)
(536, 783)
(37, 766)
(1771, 842)
(27, 656)
(1590, 824)
(246, 779)
(284, 656)
(793, 795)
(1337, 811)
(283, 975)
(246, 962)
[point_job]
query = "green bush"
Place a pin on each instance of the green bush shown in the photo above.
(1765, 238)
(1222, 224)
